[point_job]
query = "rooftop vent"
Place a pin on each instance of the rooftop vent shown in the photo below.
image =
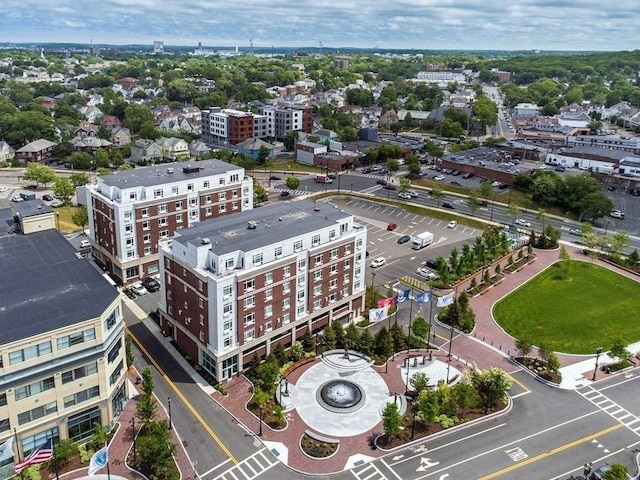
(252, 225)
(205, 241)
(169, 170)
(190, 169)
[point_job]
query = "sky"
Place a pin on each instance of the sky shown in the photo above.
(418, 24)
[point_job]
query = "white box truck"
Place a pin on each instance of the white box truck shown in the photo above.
(422, 240)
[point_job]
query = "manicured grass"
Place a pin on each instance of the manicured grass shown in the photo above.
(594, 307)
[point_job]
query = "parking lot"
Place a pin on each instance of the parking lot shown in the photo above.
(401, 259)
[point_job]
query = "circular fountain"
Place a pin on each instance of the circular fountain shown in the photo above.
(340, 396)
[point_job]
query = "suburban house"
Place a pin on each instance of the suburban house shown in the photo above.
(252, 146)
(87, 140)
(120, 136)
(37, 151)
(146, 151)
(110, 122)
(198, 148)
(7, 152)
(174, 149)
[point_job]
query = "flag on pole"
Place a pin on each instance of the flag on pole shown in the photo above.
(98, 460)
(423, 297)
(377, 314)
(446, 299)
(387, 302)
(6, 449)
(403, 296)
(39, 455)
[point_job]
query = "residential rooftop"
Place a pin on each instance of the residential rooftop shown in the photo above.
(274, 224)
(45, 286)
(167, 173)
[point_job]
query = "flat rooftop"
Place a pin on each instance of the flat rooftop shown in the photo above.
(160, 174)
(29, 208)
(275, 224)
(45, 286)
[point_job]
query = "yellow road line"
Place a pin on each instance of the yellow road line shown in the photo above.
(183, 398)
(519, 383)
(552, 452)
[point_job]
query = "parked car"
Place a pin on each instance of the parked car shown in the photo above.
(378, 262)
(432, 263)
(426, 273)
(391, 227)
(617, 214)
(47, 197)
(467, 175)
(456, 182)
(448, 205)
(57, 203)
(285, 194)
(85, 244)
(496, 184)
(17, 199)
(452, 224)
(559, 169)
(366, 170)
(381, 182)
(611, 188)
(404, 239)
(138, 289)
(522, 222)
(151, 284)
(438, 178)
(502, 186)
(3, 188)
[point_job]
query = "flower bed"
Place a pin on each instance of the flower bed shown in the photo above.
(318, 447)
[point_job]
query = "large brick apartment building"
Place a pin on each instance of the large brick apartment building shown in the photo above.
(131, 211)
(237, 286)
(223, 126)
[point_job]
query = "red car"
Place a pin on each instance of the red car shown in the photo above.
(391, 227)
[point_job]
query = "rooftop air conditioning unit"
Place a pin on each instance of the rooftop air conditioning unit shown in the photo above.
(205, 241)
(252, 225)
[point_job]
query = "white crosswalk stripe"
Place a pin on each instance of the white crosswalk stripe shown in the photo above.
(250, 468)
(612, 409)
(297, 193)
(369, 472)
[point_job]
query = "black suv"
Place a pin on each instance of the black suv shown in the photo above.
(448, 205)
(151, 284)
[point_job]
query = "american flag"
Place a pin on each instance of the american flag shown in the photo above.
(40, 455)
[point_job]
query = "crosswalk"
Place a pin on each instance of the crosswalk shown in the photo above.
(369, 472)
(250, 468)
(604, 403)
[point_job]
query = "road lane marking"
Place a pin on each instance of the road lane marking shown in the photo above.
(196, 415)
(559, 449)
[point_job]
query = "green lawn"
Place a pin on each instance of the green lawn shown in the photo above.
(590, 309)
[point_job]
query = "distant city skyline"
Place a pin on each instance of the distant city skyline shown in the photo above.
(394, 24)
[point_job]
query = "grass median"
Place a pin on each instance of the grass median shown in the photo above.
(590, 309)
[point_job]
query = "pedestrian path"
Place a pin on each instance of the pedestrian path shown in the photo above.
(251, 467)
(604, 403)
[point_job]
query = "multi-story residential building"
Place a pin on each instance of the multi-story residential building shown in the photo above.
(224, 126)
(282, 120)
(237, 286)
(130, 211)
(525, 110)
(62, 360)
(231, 127)
(37, 151)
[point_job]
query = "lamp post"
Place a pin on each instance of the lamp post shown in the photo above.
(373, 281)
(413, 421)
(260, 420)
(595, 370)
(133, 434)
(169, 408)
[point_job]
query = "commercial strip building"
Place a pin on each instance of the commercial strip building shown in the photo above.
(237, 286)
(597, 160)
(130, 211)
(62, 352)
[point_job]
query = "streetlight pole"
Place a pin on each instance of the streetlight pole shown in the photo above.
(169, 408)
(595, 370)
(260, 419)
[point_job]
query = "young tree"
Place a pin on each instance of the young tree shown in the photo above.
(391, 420)
(128, 351)
(513, 211)
(155, 450)
(308, 341)
(80, 217)
(39, 173)
(366, 343)
(420, 328)
(419, 382)
(619, 350)
(565, 262)
(383, 343)
(63, 189)
(473, 201)
(292, 183)
(146, 407)
(618, 471)
(524, 346)
(405, 184)
(553, 363)
(437, 194)
(78, 179)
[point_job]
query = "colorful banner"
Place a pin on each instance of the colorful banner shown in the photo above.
(423, 297)
(446, 299)
(403, 296)
(387, 302)
(98, 460)
(40, 455)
